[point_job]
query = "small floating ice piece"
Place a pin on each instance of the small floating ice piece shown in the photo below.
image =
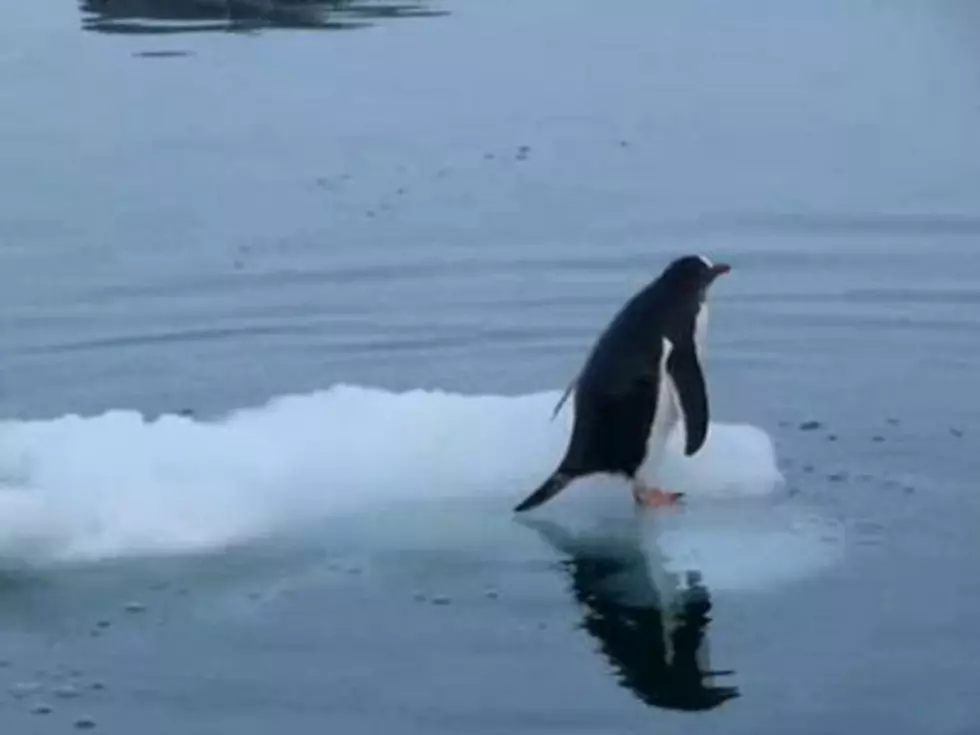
(67, 691)
(23, 689)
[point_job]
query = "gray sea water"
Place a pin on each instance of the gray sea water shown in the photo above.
(288, 292)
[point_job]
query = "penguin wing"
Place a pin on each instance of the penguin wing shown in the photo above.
(685, 370)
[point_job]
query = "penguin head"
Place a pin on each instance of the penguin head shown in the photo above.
(693, 275)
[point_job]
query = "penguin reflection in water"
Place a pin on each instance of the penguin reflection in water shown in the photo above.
(642, 375)
(650, 627)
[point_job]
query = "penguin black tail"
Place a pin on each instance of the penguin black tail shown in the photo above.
(546, 491)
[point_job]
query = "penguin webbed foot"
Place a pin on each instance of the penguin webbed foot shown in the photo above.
(654, 497)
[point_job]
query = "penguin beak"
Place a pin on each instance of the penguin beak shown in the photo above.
(719, 269)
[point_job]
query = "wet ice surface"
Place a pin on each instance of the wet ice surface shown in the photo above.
(368, 262)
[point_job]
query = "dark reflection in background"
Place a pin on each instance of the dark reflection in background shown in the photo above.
(655, 639)
(183, 16)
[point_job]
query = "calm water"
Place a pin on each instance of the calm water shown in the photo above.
(290, 290)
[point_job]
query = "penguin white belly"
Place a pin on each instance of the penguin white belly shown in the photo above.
(668, 412)
(665, 418)
(701, 328)
(664, 421)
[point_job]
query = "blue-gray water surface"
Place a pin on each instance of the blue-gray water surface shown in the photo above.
(289, 290)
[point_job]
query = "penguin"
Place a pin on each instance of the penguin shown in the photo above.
(643, 374)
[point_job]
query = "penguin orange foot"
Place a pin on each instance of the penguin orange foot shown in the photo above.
(655, 497)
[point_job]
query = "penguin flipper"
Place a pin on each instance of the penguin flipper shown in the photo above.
(545, 492)
(685, 370)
